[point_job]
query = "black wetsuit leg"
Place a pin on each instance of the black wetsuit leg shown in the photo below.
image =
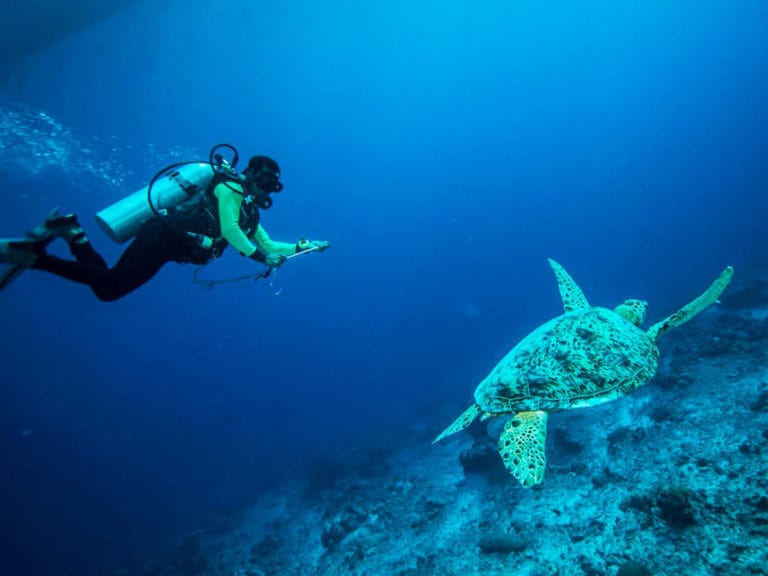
(154, 246)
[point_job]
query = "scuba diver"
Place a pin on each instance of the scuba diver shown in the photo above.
(189, 213)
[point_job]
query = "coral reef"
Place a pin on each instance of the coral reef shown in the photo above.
(670, 480)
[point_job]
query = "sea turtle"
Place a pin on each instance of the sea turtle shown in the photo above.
(584, 357)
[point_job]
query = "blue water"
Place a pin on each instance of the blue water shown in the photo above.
(445, 150)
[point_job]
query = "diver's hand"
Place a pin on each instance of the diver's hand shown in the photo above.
(304, 245)
(274, 260)
(319, 245)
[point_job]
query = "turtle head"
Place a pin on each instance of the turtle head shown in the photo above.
(632, 310)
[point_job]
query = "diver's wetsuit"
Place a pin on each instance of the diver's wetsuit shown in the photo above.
(157, 243)
(154, 246)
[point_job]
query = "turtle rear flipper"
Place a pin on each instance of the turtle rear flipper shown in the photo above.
(461, 422)
(692, 308)
(521, 446)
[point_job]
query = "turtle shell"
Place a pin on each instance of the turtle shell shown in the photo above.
(581, 358)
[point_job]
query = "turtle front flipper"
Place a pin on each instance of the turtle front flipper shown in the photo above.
(461, 422)
(573, 297)
(521, 446)
(692, 308)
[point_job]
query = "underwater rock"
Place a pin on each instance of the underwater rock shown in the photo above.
(478, 459)
(630, 568)
(759, 502)
(676, 507)
(338, 527)
(672, 379)
(637, 502)
(588, 568)
(749, 449)
(622, 435)
(565, 444)
(661, 414)
(265, 547)
(434, 504)
(332, 535)
(502, 544)
(483, 458)
(761, 404)
(579, 468)
(605, 476)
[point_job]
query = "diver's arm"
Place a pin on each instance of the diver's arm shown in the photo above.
(229, 220)
(270, 246)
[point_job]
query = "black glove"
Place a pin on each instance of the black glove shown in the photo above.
(259, 256)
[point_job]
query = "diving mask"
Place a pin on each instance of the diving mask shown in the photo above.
(267, 180)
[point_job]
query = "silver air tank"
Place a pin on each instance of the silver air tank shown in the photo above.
(122, 220)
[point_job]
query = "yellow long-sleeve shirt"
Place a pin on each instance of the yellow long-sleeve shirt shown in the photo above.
(229, 203)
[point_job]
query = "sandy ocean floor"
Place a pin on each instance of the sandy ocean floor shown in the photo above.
(671, 480)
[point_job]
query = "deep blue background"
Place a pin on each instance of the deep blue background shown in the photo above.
(445, 150)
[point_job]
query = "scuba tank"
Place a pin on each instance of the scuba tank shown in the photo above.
(123, 219)
(171, 187)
